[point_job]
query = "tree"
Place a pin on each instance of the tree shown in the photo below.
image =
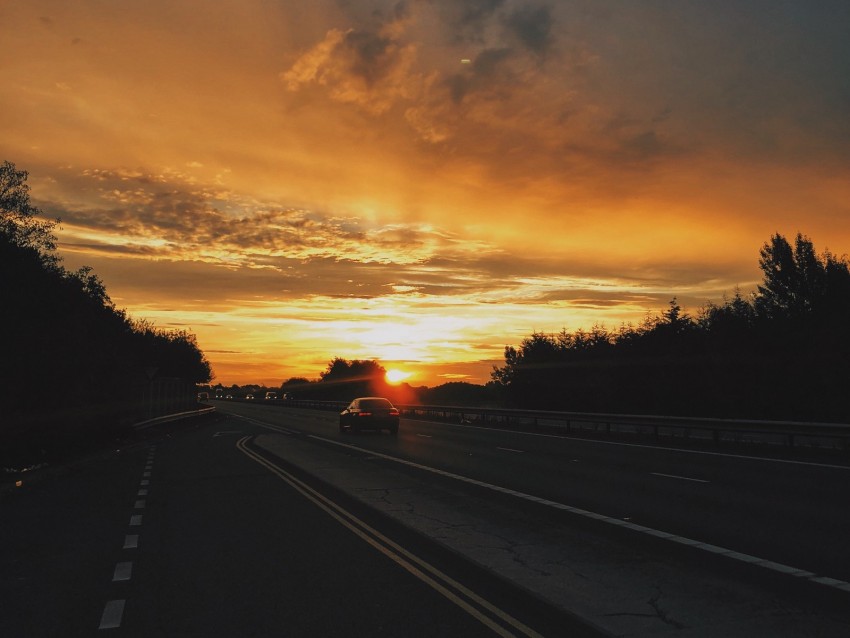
(19, 222)
(62, 337)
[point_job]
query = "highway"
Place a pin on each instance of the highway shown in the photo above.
(267, 521)
(787, 511)
(190, 532)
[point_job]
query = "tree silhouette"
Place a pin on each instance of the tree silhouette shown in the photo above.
(69, 357)
(781, 354)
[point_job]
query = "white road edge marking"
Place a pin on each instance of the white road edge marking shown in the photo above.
(112, 613)
(510, 449)
(681, 478)
(745, 457)
(708, 547)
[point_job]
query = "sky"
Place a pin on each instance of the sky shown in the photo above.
(423, 182)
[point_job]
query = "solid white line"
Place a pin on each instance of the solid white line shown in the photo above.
(112, 613)
(650, 447)
(131, 541)
(123, 571)
(510, 449)
(682, 478)
(746, 558)
(135, 520)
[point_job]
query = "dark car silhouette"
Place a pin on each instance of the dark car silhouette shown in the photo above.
(369, 413)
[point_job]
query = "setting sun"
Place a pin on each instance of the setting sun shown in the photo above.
(396, 376)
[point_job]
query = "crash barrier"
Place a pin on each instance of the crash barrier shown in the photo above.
(788, 433)
(172, 417)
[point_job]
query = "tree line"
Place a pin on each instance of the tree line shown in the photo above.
(781, 353)
(72, 363)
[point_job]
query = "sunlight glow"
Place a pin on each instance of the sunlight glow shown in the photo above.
(396, 376)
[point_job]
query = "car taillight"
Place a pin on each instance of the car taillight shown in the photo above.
(364, 414)
(393, 412)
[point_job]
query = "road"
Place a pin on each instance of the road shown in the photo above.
(267, 521)
(790, 512)
(194, 532)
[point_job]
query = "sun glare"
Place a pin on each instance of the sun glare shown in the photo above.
(396, 376)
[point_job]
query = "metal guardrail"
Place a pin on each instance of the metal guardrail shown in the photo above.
(789, 433)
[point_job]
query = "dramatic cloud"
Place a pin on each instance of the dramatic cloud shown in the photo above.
(424, 179)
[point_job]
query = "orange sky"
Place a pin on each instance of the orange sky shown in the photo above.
(423, 182)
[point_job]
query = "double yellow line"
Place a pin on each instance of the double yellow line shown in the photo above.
(501, 623)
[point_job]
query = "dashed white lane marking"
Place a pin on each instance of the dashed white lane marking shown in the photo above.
(131, 541)
(510, 449)
(425, 436)
(142, 493)
(146, 474)
(145, 482)
(681, 478)
(123, 571)
(135, 520)
(140, 505)
(714, 549)
(112, 614)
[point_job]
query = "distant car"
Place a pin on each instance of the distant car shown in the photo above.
(203, 396)
(369, 413)
(271, 395)
(250, 397)
(228, 396)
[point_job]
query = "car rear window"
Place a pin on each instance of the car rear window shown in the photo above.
(376, 404)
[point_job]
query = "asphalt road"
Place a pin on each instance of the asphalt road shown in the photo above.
(792, 512)
(194, 530)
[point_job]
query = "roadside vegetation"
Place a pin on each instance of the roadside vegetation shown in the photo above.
(782, 353)
(74, 366)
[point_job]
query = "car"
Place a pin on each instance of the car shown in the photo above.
(271, 395)
(249, 397)
(229, 396)
(369, 413)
